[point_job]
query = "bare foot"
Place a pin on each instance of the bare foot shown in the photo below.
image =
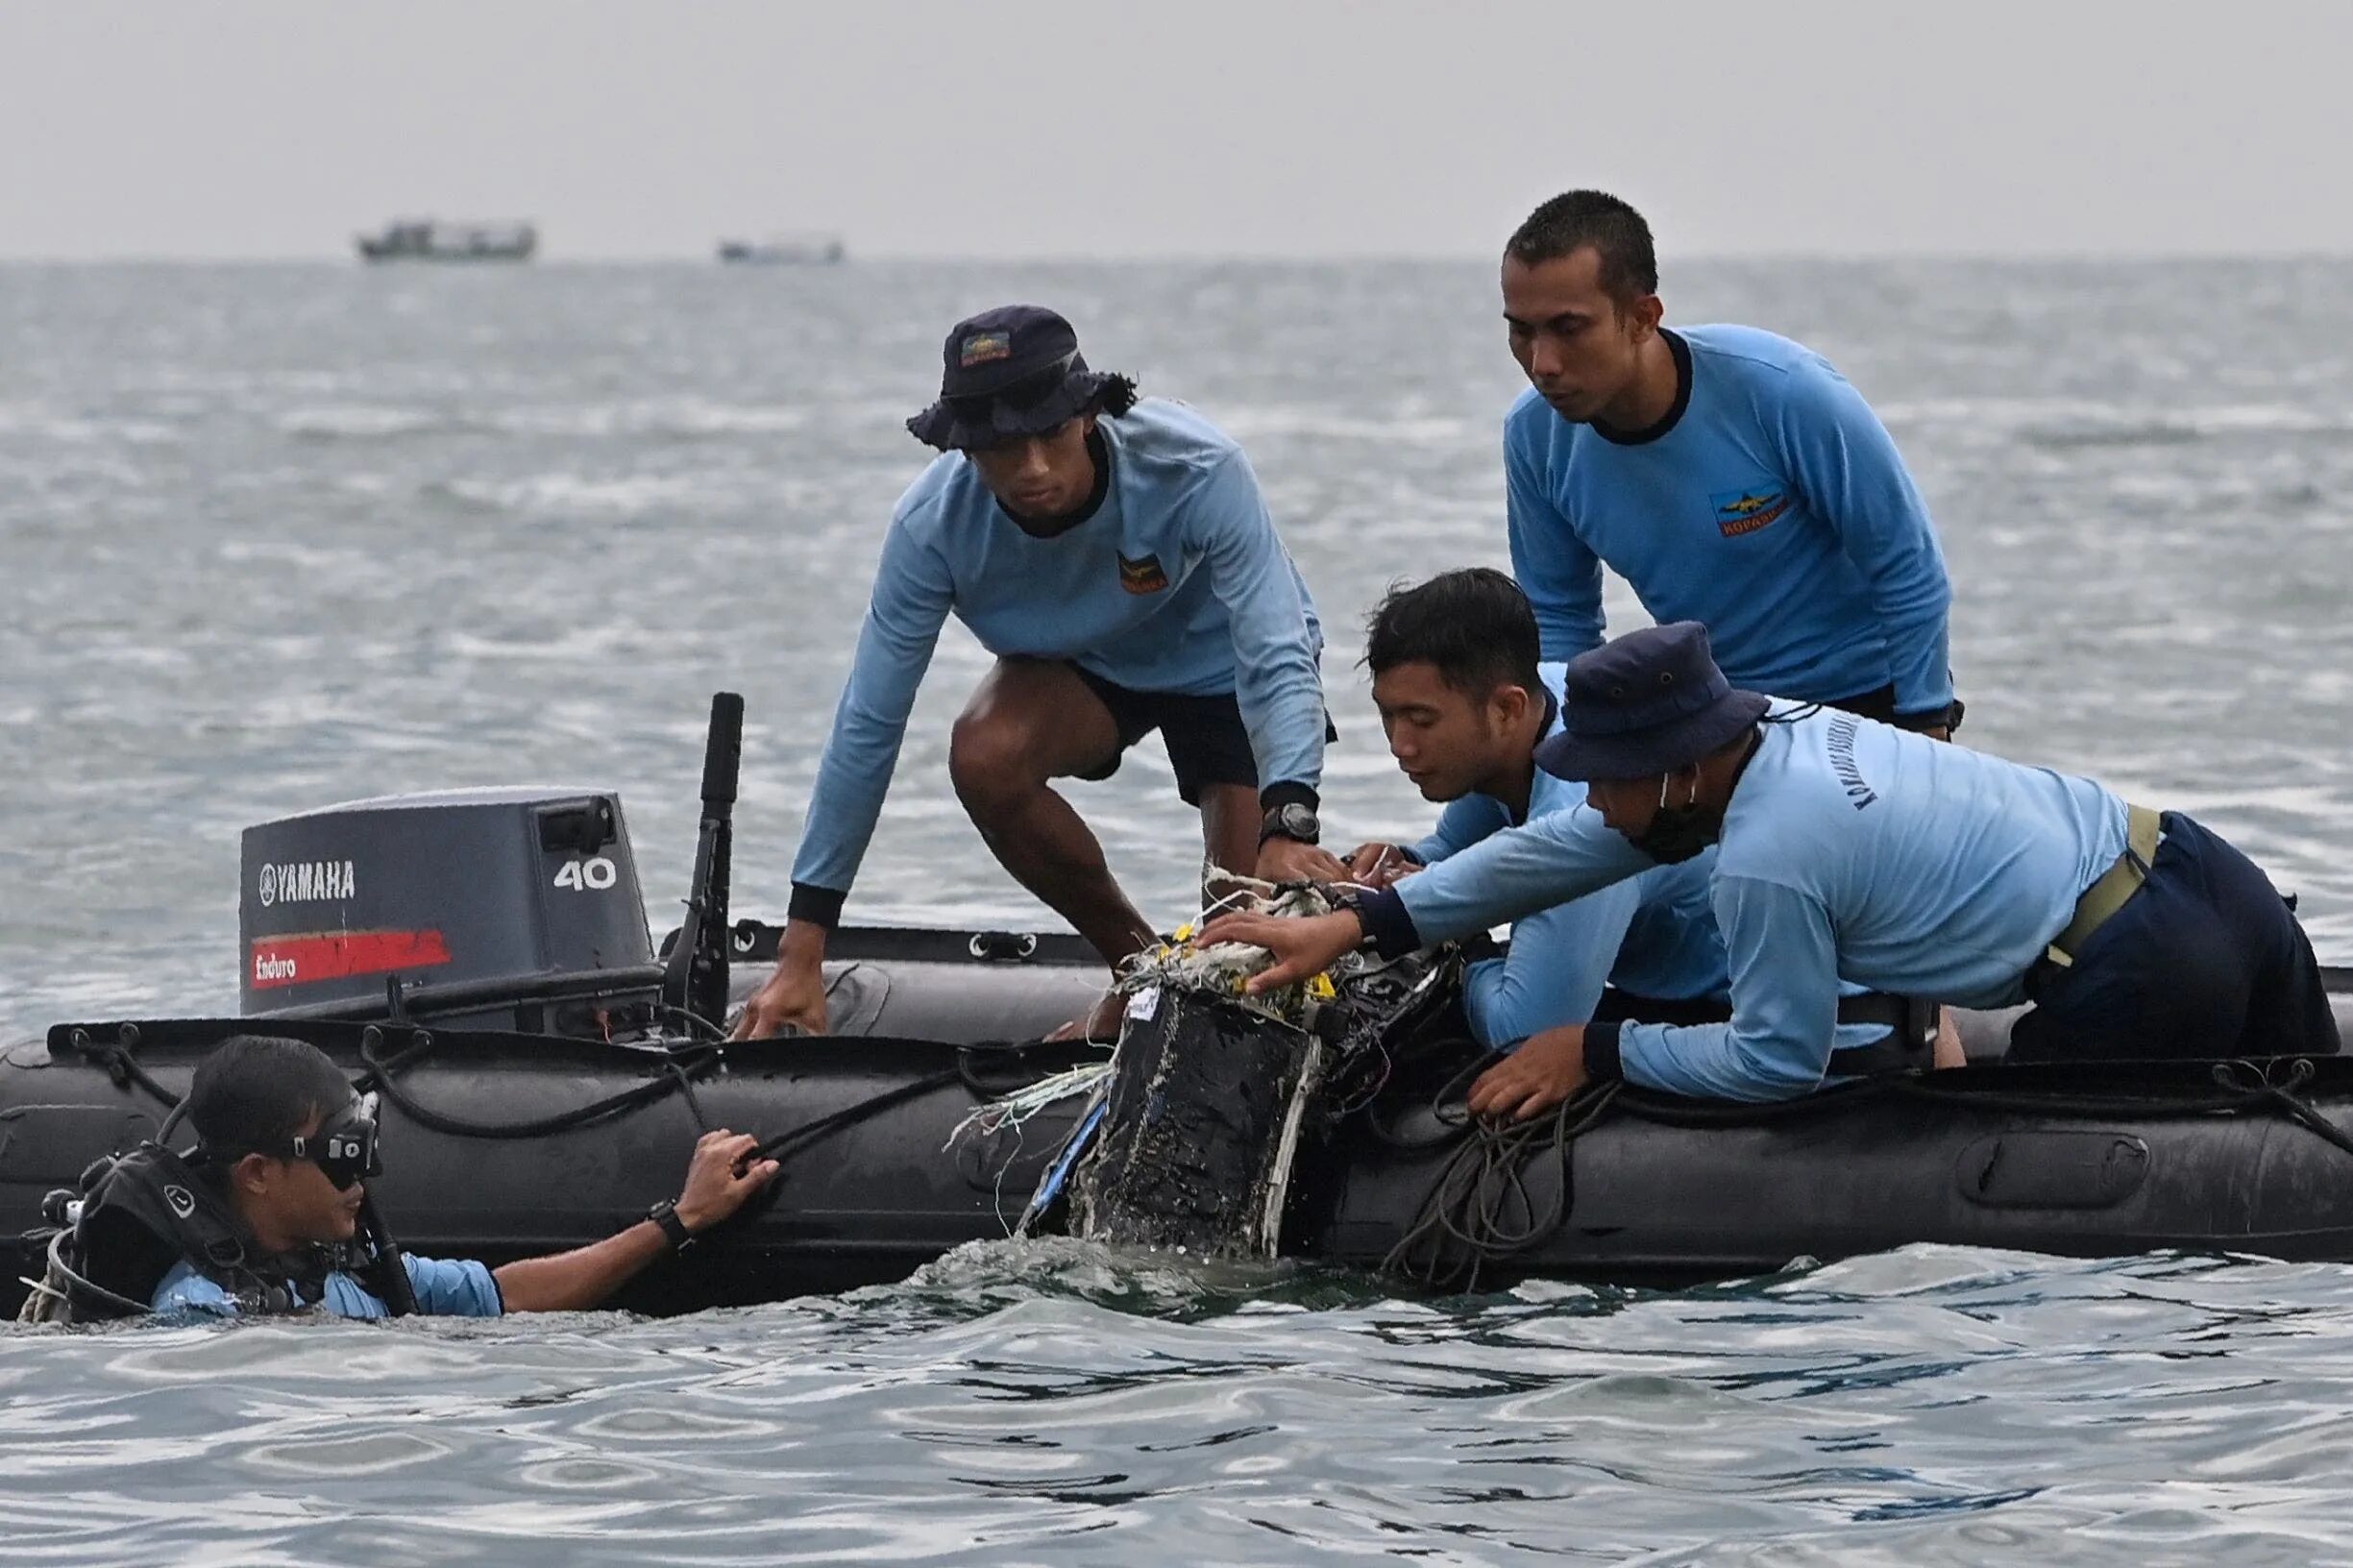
(1098, 1024)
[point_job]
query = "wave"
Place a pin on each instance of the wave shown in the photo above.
(366, 422)
(2069, 422)
(569, 495)
(43, 424)
(1246, 422)
(676, 418)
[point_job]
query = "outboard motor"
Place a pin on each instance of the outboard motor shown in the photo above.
(490, 908)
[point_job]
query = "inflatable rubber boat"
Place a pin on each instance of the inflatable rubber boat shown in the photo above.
(480, 960)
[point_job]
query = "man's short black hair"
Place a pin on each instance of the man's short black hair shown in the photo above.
(255, 1091)
(1474, 625)
(1576, 219)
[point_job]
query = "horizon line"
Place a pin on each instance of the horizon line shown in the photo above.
(707, 258)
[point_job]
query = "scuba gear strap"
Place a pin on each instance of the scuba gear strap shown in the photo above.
(139, 1216)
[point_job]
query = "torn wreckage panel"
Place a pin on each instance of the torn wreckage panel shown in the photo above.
(1213, 1094)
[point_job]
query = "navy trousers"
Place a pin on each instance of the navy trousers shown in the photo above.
(2206, 960)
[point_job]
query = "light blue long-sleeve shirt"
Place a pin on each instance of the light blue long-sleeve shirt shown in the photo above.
(1177, 583)
(459, 1287)
(1653, 934)
(1775, 510)
(1851, 851)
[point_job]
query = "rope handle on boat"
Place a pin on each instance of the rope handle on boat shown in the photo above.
(678, 1074)
(1466, 1222)
(119, 1064)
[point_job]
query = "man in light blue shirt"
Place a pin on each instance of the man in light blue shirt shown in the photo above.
(1848, 850)
(1464, 701)
(1116, 556)
(1730, 476)
(266, 1214)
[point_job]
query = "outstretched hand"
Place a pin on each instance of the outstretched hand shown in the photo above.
(793, 998)
(722, 1178)
(1301, 948)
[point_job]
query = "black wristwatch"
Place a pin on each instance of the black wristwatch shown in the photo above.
(1293, 820)
(665, 1213)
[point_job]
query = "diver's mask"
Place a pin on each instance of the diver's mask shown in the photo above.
(345, 1146)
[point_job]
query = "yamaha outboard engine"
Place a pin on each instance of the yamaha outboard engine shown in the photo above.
(490, 908)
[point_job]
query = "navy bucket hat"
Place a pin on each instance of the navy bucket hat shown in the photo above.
(1648, 703)
(1008, 372)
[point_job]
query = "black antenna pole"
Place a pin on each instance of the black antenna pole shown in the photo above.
(696, 980)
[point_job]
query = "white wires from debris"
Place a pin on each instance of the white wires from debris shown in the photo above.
(1017, 1108)
(1223, 970)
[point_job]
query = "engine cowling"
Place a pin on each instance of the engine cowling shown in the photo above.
(482, 907)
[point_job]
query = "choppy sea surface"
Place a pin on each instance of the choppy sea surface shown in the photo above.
(276, 537)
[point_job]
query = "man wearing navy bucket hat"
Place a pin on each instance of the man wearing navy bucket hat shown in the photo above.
(1116, 556)
(1851, 850)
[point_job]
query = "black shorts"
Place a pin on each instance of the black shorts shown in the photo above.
(1208, 743)
(1880, 704)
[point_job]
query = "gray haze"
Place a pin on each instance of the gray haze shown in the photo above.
(1265, 128)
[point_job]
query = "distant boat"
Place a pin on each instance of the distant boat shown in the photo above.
(426, 240)
(783, 251)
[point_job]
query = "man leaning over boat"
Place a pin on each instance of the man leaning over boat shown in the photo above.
(1850, 851)
(1464, 701)
(1116, 556)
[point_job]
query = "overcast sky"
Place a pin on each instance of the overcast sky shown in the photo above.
(1186, 127)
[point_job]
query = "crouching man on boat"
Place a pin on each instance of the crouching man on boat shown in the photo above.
(1118, 558)
(1850, 850)
(267, 1213)
(1464, 701)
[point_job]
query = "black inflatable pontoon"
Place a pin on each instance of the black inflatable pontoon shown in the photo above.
(481, 960)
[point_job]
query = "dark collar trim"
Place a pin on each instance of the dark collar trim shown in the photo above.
(1682, 351)
(1552, 711)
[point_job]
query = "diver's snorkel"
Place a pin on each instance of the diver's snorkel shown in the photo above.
(385, 1273)
(348, 1152)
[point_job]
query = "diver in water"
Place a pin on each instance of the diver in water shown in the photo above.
(1464, 701)
(1850, 851)
(1731, 476)
(270, 1214)
(1116, 556)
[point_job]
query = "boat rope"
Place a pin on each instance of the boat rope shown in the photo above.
(791, 1142)
(113, 1057)
(678, 1073)
(1480, 1211)
(2283, 1098)
(675, 1073)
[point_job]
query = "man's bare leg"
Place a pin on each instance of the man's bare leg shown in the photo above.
(1029, 722)
(1947, 1051)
